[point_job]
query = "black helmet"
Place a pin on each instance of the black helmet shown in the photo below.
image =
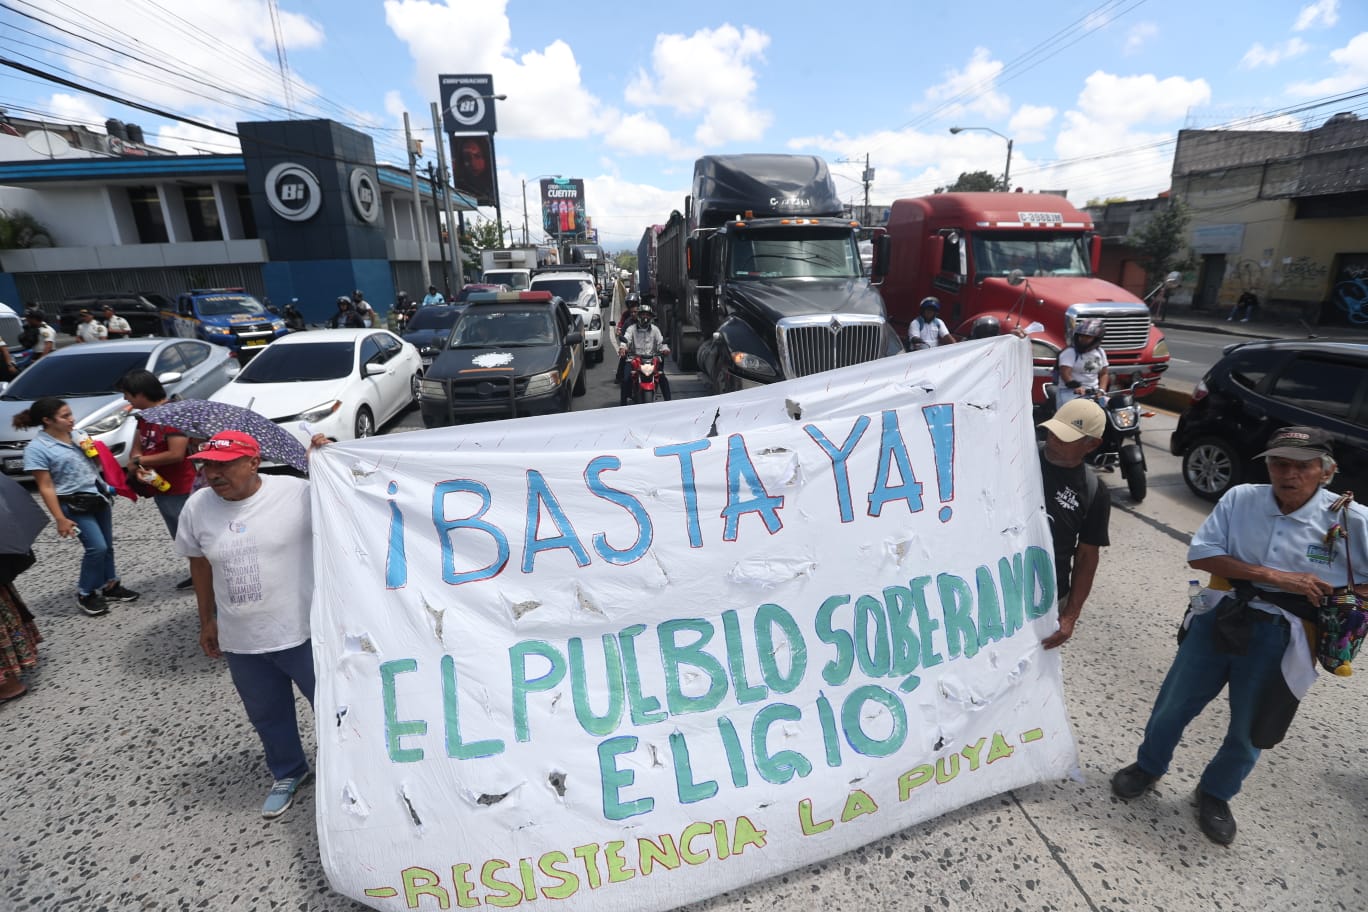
(402, 296)
(358, 295)
(985, 327)
(645, 311)
(633, 298)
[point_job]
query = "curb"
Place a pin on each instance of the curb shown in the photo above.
(1169, 398)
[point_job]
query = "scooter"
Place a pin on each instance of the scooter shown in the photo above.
(294, 320)
(1120, 439)
(643, 375)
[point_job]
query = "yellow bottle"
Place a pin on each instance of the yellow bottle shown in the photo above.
(153, 479)
(87, 446)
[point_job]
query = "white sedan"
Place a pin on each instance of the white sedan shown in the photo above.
(344, 383)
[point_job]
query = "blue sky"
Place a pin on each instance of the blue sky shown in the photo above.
(626, 95)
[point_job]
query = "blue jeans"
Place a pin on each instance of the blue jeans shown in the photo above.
(97, 536)
(170, 506)
(1195, 679)
(263, 682)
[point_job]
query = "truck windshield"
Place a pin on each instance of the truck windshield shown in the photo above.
(1034, 253)
(783, 253)
(568, 290)
(229, 305)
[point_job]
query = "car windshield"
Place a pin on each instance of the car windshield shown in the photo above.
(433, 318)
(92, 374)
(567, 290)
(782, 253)
(227, 305)
(502, 329)
(1034, 253)
(299, 363)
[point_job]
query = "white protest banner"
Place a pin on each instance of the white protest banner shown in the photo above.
(630, 658)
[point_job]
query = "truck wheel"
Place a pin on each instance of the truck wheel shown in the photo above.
(685, 360)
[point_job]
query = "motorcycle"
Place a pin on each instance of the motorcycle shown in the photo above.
(1120, 439)
(294, 320)
(644, 376)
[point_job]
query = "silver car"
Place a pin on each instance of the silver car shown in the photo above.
(84, 376)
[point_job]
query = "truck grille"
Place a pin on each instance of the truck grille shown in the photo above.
(493, 390)
(252, 329)
(1128, 326)
(812, 344)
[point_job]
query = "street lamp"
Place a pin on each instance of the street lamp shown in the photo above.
(494, 163)
(1006, 172)
(524, 191)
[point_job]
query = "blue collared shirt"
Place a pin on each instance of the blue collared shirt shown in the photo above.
(71, 470)
(1248, 526)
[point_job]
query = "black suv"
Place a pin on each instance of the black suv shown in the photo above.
(1259, 387)
(509, 353)
(142, 310)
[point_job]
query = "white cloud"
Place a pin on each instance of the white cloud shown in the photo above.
(711, 72)
(641, 134)
(1323, 13)
(1138, 35)
(1352, 60)
(76, 109)
(971, 90)
(625, 208)
(1126, 100)
(188, 140)
(1029, 122)
(1258, 55)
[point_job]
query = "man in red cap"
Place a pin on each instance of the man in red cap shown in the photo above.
(249, 540)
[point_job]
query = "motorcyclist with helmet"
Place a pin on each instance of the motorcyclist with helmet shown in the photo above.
(346, 316)
(928, 330)
(643, 339)
(1083, 364)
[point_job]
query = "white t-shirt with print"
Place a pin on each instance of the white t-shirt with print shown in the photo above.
(1087, 370)
(261, 550)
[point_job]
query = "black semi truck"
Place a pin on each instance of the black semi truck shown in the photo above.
(759, 278)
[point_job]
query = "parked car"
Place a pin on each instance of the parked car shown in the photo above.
(142, 310)
(84, 375)
(344, 383)
(577, 289)
(1258, 387)
(429, 328)
(512, 353)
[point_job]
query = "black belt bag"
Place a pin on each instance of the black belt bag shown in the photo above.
(83, 502)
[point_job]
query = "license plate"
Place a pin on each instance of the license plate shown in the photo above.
(14, 464)
(253, 343)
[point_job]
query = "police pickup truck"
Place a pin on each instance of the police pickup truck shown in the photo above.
(224, 316)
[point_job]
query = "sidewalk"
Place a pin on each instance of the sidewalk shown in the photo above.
(1173, 395)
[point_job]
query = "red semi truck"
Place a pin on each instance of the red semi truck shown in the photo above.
(1020, 257)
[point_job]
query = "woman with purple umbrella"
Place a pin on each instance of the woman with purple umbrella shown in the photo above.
(199, 418)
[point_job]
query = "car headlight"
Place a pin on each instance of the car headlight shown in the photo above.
(596, 322)
(216, 330)
(431, 389)
(541, 383)
(317, 413)
(109, 423)
(754, 365)
(277, 325)
(1161, 349)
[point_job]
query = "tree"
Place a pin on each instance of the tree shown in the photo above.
(478, 236)
(627, 261)
(19, 231)
(974, 182)
(1096, 201)
(1158, 242)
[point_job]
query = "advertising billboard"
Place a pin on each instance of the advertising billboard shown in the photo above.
(467, 103)
(472, 167)
(562, 200)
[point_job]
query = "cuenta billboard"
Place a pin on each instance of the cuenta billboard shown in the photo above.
(563, 207)
(631, 663)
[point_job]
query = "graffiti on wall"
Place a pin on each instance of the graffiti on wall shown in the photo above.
(1302, 272)
(1351, 287)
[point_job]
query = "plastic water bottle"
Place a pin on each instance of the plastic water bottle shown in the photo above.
(1196, 597)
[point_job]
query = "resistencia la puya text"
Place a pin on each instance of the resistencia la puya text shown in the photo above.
(868, 641)
(895, 480)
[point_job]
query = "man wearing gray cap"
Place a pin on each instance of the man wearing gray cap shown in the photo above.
(1078, 505)
(1272, 545)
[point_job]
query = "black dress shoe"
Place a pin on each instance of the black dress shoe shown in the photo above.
(185, 583)
(1215, 818)
(1132, 782)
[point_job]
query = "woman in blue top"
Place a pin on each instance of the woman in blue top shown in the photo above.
(77, 497)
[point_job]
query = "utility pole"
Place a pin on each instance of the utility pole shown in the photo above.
(453, 234)
(441, 241)
(524, 189)
(868, 178)
(419, 224)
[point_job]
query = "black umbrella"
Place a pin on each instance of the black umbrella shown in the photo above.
(20, 518)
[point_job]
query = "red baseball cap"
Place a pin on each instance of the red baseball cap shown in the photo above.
(227, 446)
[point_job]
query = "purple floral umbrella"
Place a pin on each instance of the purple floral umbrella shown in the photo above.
(203, 419)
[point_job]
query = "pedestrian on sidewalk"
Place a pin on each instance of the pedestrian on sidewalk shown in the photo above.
(116, 325)
(249, 540)
(1244, 307)
(19, 637)
(1269, 542)
(158, 453)
(89, 329)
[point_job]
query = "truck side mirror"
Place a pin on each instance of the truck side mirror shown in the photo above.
(883, 246)
(1095, 253)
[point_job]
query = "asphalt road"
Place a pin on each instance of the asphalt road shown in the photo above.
(132, 781)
